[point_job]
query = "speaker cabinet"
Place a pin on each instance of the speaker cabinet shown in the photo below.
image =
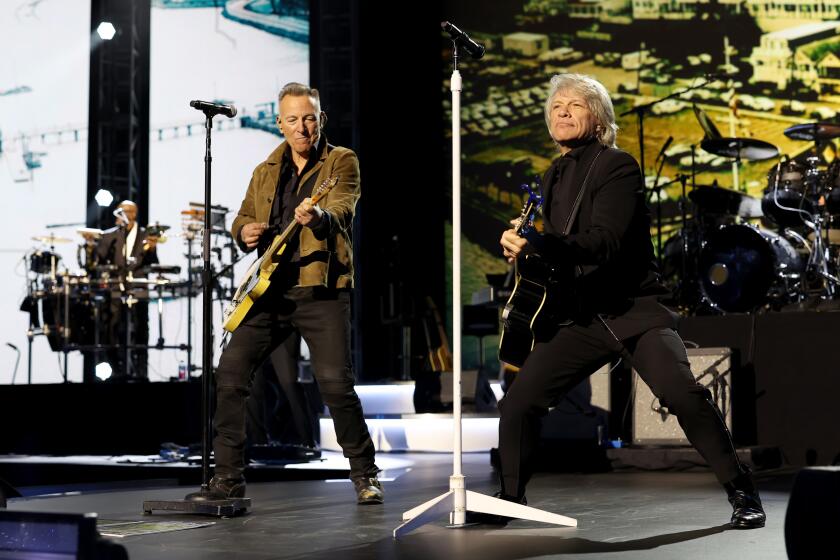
(813, 513)
(653, 424)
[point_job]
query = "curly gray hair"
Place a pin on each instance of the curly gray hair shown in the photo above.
(597, 98)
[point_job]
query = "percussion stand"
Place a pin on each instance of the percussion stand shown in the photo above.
(159, 285)
(65, 328)
(190, 237)
(818, 260)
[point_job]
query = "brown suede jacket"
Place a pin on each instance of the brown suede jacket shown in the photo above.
(326, 253)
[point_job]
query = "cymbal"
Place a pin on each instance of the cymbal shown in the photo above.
(89, 232)
(51, 239)
(813, 132)
(156, 228)
(748, 149)
(718, 200)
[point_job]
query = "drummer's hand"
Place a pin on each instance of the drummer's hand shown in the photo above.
(251, 233)
(514, 246)
(308, 214)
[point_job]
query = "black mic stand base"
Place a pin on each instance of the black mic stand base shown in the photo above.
(200, 503)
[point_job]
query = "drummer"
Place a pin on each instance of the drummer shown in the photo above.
(130, 250)
(127, 246)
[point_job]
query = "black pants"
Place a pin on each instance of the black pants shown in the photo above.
(284, 369)
(571, 355)
(322, 317)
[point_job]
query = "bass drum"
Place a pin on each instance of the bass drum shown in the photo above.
(742, 267)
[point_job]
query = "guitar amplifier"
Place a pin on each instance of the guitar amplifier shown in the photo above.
(654, 425)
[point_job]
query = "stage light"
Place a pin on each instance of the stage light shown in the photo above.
(103, 198)
(106, 31)
(103, 371)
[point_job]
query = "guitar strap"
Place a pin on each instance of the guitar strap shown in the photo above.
(576, 206)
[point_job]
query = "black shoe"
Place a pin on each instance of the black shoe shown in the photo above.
(747, 512)
(224, 488)
(493, 518)
(368, 490)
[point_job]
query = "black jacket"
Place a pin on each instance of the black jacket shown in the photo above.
(617, 276)
(111, 247)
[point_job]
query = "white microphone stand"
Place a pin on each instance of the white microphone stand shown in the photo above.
(458, 500)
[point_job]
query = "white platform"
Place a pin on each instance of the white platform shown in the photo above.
(422, 432)
(393, 425)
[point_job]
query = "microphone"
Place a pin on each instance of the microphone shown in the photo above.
(12, 346)
(212, 109)
(664, 147)
(461, 39)
(122, 219)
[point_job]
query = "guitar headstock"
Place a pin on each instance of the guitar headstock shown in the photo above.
(532, 205)
(322, 189)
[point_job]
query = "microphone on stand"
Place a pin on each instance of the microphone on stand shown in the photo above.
(664, 147)
(476, 50)
(212, 109)
(122, 219)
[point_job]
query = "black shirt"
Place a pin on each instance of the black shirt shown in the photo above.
(287, 197)
(565, 190)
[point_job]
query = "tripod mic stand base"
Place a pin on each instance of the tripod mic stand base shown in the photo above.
(200, 503)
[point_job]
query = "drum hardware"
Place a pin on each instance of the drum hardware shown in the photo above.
(740, 149)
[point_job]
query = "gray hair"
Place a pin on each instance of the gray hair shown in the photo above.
(597, 98)
(296, 89)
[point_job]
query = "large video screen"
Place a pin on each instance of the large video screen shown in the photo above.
(43, 167)
(756, 68)
(238, 53)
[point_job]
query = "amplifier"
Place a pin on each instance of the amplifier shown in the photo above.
(654, 425)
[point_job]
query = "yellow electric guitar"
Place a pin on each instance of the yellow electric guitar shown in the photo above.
(258, 277)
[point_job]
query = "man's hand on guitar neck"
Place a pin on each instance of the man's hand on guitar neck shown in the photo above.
(514, 246)
(251, 233)
(308, 214)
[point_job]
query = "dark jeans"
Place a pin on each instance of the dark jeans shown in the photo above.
(322, 317)
(284, 367)
(571, 355)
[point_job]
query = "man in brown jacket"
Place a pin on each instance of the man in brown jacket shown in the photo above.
(309, 292)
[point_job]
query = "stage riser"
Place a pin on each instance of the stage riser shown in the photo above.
(422, 432)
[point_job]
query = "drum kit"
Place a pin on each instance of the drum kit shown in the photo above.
(723, 261)
(72, 308)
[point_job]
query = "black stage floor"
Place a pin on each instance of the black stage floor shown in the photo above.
(626, 515)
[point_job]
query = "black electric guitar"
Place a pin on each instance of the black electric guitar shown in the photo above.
(529, 303)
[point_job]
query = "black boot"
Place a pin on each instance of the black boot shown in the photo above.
(747, 512)
(222, 488)
(492, 518)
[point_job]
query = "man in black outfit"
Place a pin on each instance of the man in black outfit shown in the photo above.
(616, 308)
(129, 249)
(309, 291)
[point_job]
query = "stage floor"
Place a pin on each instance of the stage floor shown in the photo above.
(626, 515)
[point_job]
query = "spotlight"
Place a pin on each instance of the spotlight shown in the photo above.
(103, 371)
(103, 198)
(106, 30)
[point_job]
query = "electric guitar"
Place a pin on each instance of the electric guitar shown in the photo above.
(529, 303)
(258, 277)
(440, 358)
